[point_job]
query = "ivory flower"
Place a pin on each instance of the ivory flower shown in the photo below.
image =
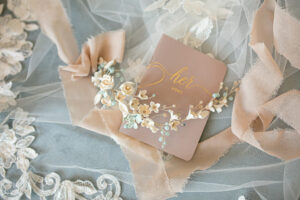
(223, 102)
(106, 101)
(123, 108)
(192, 114)
(154, 129)
(96, 81)
(144, 110)
(218, 108)
(174, 124)
(109, 64)
(98, 74)
(97, 98)
(173, 116)
(203, 114)
(147, 122)
(210, 106)
(143, 95)
(96, 78)
(134, 103)
(128, 88)
(154, 106)
(107, 82)
(120, 96)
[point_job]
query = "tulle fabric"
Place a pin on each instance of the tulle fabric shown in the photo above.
(243, 167)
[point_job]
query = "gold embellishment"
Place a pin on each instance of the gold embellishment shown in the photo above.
(128, 88)
(136, 109)
(177, 79)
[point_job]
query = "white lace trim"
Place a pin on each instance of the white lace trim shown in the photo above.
(15, 139)
(21, 9)
(15, 149)
(198, 33)
(13, 45)
(213, 9)
(7, 97)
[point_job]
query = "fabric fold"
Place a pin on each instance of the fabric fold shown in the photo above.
(254, 107)
(109, 46)
(55, 24)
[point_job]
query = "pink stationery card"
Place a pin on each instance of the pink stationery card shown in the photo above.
(183, 76)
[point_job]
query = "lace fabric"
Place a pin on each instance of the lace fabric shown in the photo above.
(16, 136)
(15, 149)
(14, 47)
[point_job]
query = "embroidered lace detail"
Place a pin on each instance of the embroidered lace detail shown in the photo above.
(14, 47)
(7, 97)
(16, 135)
(73, 190)
(15, 149)
(207, 11)
(215, 10)
(21, 9)
(198, 33)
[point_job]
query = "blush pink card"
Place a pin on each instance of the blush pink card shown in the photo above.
(180, 75)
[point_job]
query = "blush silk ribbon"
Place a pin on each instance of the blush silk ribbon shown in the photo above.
(254, 106)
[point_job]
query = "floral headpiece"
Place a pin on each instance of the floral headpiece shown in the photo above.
(136, 109)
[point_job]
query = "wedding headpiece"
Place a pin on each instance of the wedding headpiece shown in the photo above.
(139, 109)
